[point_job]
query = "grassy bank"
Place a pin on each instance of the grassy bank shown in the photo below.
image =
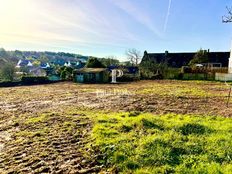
(144, 143)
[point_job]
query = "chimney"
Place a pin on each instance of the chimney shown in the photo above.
(166, 53)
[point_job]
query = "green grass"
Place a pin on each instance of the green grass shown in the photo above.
(187, 89)
(145, 143)
(175, 90)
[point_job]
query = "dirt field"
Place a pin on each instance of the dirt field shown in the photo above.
(42, 129)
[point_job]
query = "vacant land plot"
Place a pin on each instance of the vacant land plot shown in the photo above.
(140, 127)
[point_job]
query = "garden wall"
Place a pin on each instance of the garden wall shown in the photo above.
(223, 77)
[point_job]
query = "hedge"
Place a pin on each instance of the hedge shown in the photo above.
(34, 80)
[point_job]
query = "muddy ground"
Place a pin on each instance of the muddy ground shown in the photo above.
(42, 131)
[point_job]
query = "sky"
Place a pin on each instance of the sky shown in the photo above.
(110, 27)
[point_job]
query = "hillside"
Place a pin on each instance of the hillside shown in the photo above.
(57, 58)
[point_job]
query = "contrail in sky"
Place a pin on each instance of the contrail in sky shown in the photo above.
(167, 16)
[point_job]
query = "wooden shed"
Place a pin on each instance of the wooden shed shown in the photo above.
(91, 75)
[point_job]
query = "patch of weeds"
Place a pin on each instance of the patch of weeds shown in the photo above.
(193, 128)
(131, 165)
(126, 128)
(113, 120)
(33, 120)
(150, 124)
(134, 114)
(68, 124)
(102, 121)
(120, 157)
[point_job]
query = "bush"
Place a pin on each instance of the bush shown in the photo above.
(157, 77)
(9, 84)
(94, 63)
(186, 69)
(34, 80)
(7, 72)
(128, 78)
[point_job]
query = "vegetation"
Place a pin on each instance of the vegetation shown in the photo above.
(227, 18)
(66, 73)
(94, 63)
(133, 56)
(7, 72)
(200, 57)
(152, 70)
(34, 79)
(38, 57)
(111, 60)
(145, 143)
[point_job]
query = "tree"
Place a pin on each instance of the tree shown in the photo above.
(152, 69)
(3, 53)
(134, 56)
(66, 73)
(94, 63)
(200, 57)
(8, 72)
(126, 63)
(110, 60)
(43, 58)
(227, 18)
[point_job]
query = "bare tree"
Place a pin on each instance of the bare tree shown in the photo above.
(134, 56)
(227, 18)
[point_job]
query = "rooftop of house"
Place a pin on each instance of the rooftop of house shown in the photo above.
(182, 59)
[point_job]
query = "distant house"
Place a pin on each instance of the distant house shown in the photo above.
(91, 75)
(37, 72)
(79, 65)
(26, 67)
(24, 63)
(178, 60)
(45, 65)
(68, 64)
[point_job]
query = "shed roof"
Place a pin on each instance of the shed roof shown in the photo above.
(90, 70)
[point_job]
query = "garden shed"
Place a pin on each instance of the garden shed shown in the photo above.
(91, 75)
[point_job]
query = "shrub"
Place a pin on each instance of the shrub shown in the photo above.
(94, 63)
(128, 78)
(33, 80)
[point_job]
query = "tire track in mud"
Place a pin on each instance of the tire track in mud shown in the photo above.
(55, 145)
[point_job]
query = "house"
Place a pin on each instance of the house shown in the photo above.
(37, 71)
(91, 75)
(79, 65)
(24, 63)
(45, 65)
(177, 60)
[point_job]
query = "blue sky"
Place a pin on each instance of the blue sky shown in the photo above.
(110, 27)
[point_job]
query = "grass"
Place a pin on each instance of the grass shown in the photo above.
(185, 89)
(145, 143)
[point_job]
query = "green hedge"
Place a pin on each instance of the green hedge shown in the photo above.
(9, 84)
(198, 76)
(128, 78)
(33, 80)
